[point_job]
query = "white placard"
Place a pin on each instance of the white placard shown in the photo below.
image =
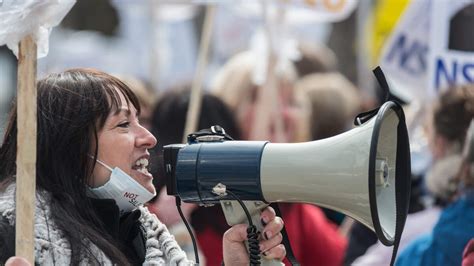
(404, 56)
(451, 57)
(36, 17)
(301, 11)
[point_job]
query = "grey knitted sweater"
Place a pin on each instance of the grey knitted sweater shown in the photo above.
(51, 248)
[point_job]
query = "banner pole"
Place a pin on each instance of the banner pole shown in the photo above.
(26, 150)
(192, 116)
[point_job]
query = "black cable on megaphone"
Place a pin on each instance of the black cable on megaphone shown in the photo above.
(188, 227)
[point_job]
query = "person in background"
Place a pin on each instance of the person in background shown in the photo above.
(334, 104)
(335, 101)
(451, 177)
(235, 83)
(90, 144)
(168, 122)
(314, 239)
(315, 58)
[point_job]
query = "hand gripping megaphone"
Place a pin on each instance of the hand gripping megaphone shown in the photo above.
(363, 173)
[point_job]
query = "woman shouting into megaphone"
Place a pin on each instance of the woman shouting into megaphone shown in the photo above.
(93, 179)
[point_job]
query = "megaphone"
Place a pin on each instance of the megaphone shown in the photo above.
(363, 173)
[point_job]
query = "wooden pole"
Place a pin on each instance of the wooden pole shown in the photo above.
(267, 110)
(154, 64)
(26, 150)
(194, 108)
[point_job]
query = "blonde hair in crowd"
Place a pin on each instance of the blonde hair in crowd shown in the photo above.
(334, 103)
(235, 85)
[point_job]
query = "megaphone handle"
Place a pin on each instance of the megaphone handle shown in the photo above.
(234, 214)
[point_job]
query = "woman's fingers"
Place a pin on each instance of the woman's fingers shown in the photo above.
(278, 252)
(272, 228)
(266, 245)
(267, 215)
(270, 243)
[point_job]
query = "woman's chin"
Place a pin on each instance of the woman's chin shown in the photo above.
(150, 188)
(145, 180)
(148, 185)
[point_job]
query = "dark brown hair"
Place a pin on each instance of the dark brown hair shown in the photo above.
(453, 112)
(452, 115)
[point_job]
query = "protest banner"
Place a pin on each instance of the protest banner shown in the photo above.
(404, 57)
(451, 56)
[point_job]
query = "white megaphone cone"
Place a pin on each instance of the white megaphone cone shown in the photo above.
(341, 173)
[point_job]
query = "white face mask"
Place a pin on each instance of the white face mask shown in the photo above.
(126, 191)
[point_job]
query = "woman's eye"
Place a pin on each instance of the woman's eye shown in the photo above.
(124, 125)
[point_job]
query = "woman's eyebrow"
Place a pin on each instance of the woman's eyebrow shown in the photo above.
(123, 110)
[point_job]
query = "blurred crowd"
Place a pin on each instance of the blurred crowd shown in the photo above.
(310, 98)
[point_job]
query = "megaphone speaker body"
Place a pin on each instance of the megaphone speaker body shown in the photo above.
(353, 173)
(335, 172)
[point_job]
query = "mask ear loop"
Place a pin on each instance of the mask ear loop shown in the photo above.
(102, 163)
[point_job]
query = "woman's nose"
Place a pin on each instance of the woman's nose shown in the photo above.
(145, 139)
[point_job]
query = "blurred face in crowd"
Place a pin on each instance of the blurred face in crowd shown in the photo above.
(285, 110)
(123, 142)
